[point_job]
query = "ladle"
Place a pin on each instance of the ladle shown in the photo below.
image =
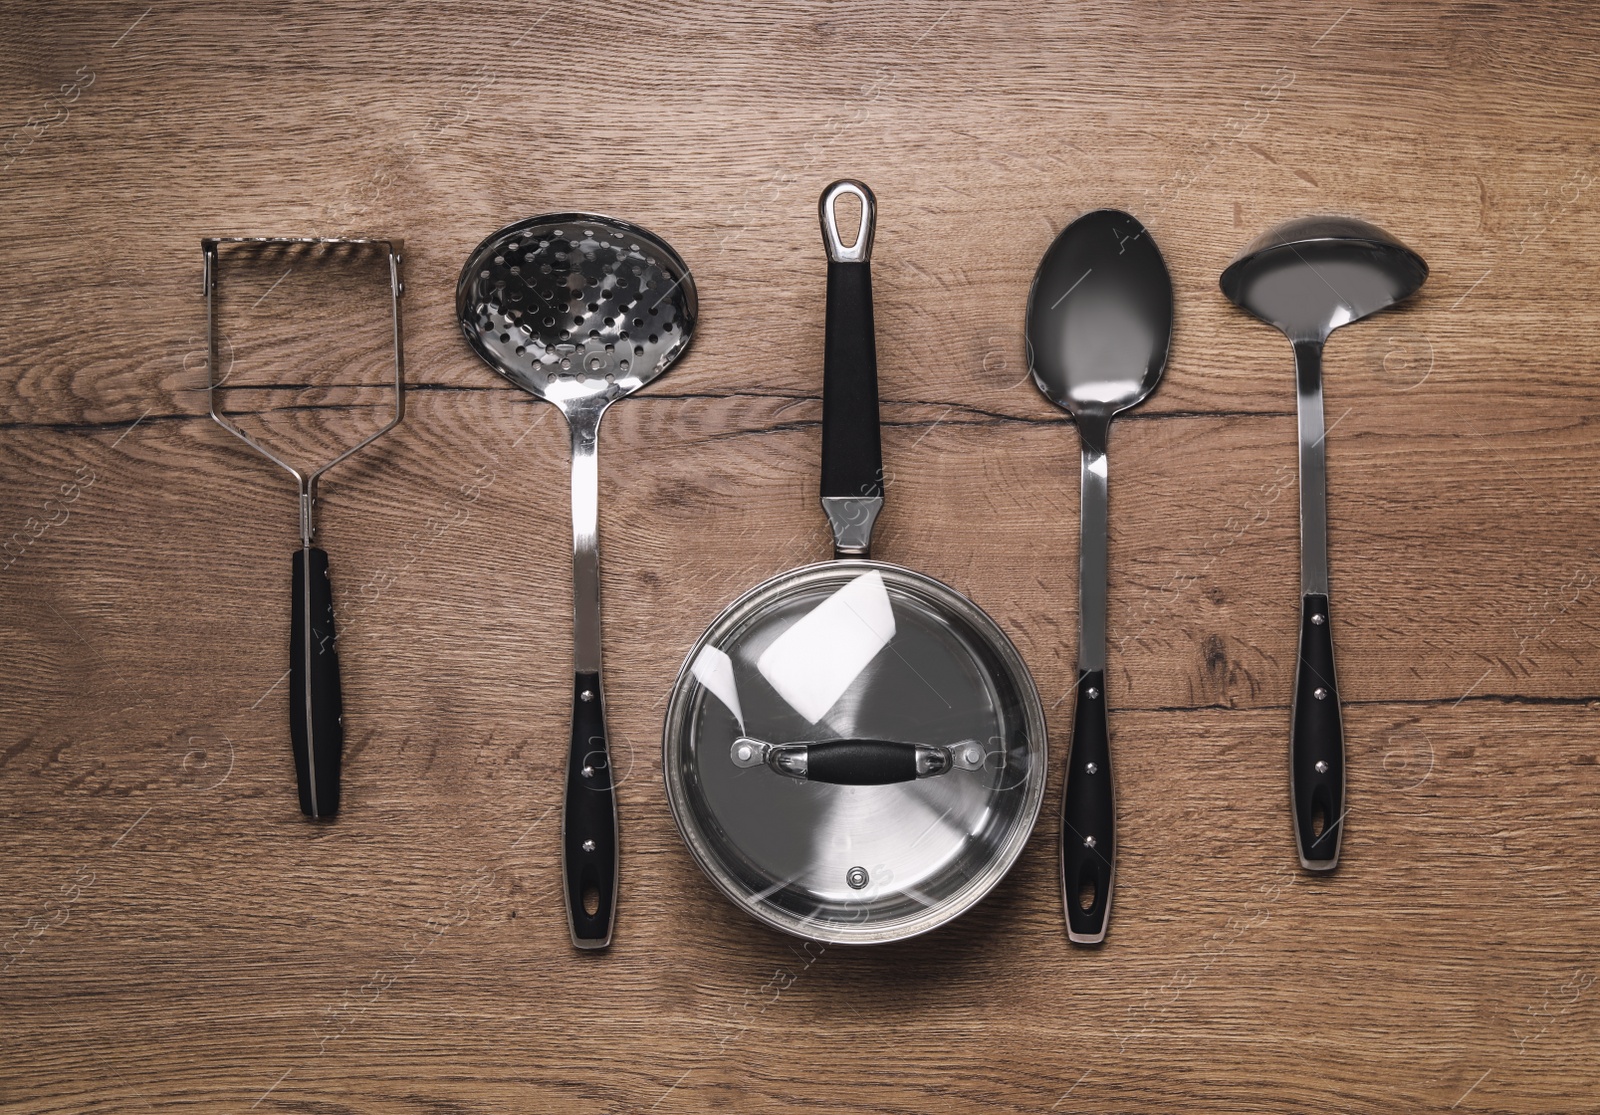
(1306, 278)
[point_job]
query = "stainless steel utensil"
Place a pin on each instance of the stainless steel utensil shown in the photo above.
(316, 708)
(1099, 323)
(808, 723)
(1306, 278)
(580, 310)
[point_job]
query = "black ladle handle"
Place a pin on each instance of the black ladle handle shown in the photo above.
(316, 720)
(589, 825)
(1088, 817)
(1316, 742)
(852, 454)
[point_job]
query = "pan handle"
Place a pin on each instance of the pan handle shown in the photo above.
(857, 762)
(852, 455)
(316, 721)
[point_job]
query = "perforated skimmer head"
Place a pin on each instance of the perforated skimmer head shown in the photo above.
(576, 307)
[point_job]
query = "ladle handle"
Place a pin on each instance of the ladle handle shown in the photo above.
(589, 826)
(1316, 742)
(316, 720)
(1088, 817)
(852, 455)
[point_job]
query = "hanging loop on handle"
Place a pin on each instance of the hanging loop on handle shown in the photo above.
(827, 209)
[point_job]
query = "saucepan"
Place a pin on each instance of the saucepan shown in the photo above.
(853, 751)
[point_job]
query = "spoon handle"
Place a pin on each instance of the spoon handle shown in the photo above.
(1316, 742)
(1088, 807)
(1088, 817)
(589, 854)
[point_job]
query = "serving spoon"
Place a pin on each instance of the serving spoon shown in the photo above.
(1099, 325)
(1306, 278)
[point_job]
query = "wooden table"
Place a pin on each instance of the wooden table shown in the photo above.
(179, 938)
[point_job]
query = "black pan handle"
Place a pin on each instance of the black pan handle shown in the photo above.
(1316, 742)
(589, 827)
(1088, 817)
(316, 720)
(852, 455)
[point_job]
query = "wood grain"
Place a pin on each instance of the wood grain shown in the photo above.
(177, 938)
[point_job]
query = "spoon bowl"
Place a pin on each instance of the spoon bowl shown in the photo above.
(1098, 327)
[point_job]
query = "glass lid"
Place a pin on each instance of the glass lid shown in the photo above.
(854, 752)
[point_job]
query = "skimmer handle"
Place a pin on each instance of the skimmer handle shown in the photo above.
(589, 850)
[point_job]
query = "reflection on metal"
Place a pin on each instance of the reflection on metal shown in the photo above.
(813, 663)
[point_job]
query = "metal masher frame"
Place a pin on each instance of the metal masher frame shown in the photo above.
(318, 724)
(306, 480)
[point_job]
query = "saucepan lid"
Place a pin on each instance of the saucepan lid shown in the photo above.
(854, 752)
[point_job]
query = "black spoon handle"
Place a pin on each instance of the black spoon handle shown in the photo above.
(316, 721)
(1088, 817)
(1316, 742)
(589, 826)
